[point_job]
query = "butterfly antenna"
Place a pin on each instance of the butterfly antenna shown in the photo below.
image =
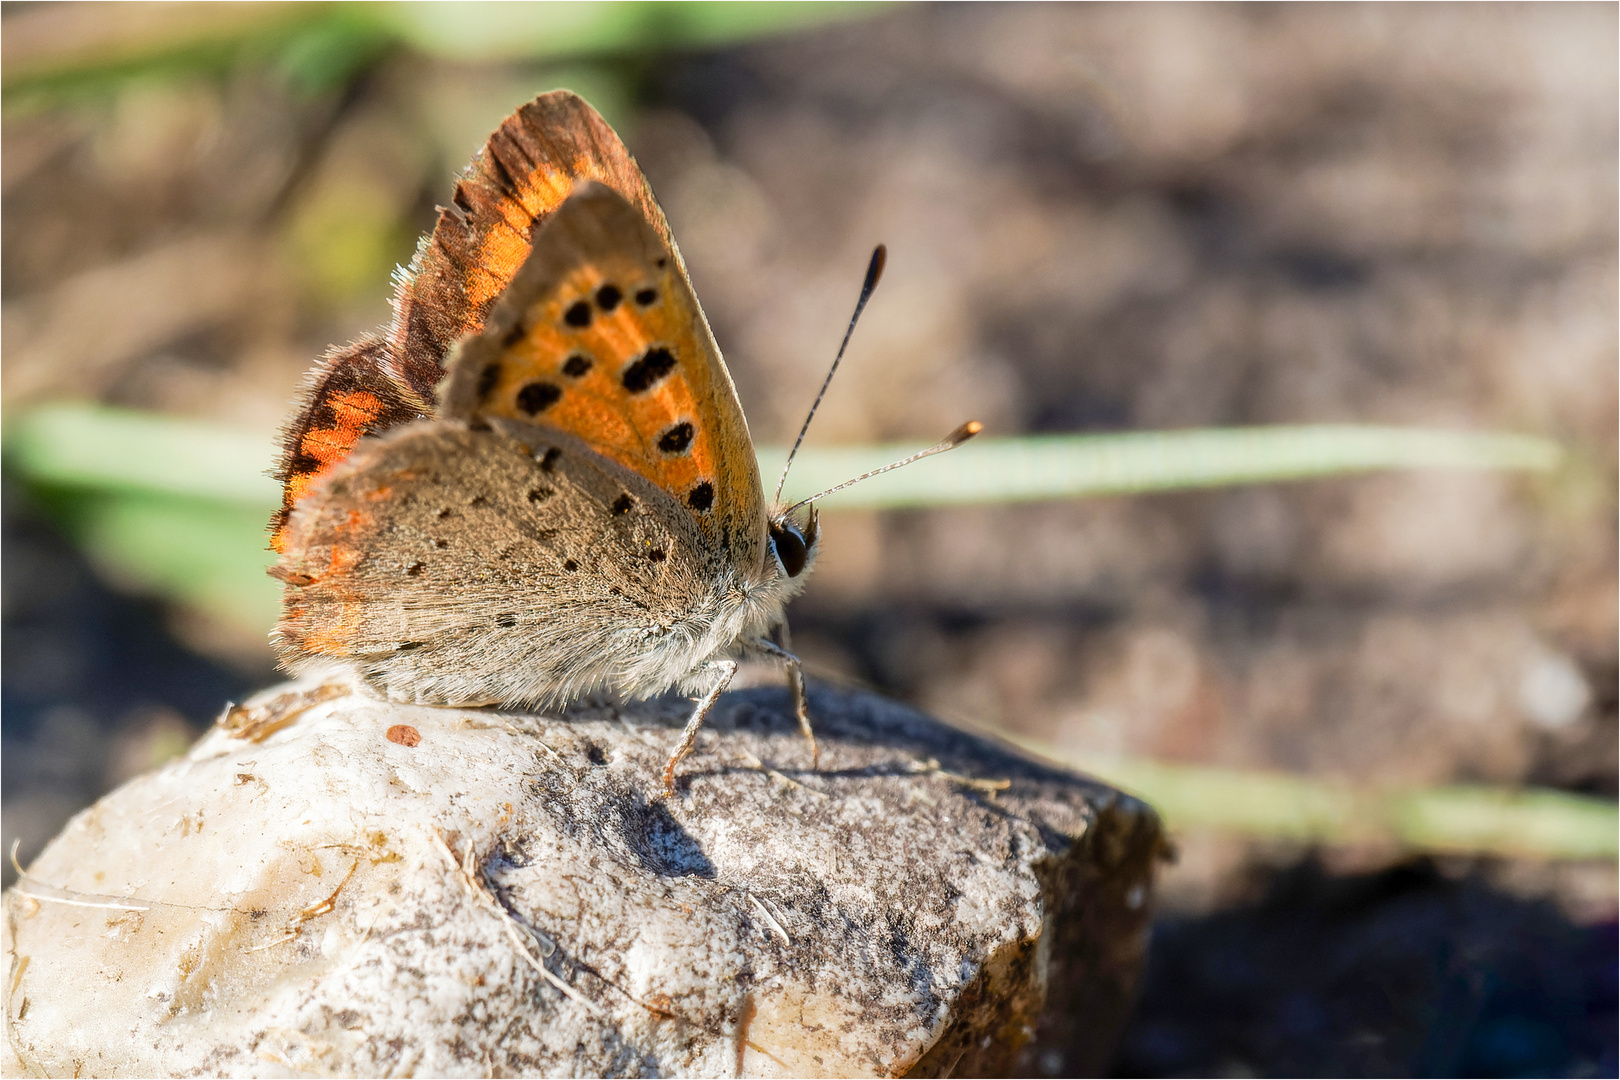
(874, 271)
(949, 442)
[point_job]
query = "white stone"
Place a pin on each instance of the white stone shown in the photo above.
(511, 896)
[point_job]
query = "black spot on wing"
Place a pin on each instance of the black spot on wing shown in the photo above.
(622, 505)
(701, 497)
(646, 297)
(676, 439)
(576, 365)
(578, 314)
(548, 460)
(537, 397)
(649, 370)
(608, 297)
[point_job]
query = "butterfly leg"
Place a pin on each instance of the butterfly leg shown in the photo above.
(728, 668)
(795, 674)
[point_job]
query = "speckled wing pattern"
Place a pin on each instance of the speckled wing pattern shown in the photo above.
(525, 171)
(463, 564)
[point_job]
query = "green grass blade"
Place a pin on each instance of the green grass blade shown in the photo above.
(91, 446)
(1072, 466)
(1455, 819)
(139, 478)
(208, 555)
(1535, 823)
(480, 30)
(320, 45)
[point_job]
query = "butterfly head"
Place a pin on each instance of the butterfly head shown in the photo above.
(794, 546)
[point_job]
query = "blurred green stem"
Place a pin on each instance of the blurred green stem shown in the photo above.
(1455, 819)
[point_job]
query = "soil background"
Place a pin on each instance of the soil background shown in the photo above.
(1099, 218)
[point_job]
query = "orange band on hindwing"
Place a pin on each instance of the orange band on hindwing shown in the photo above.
(350, 394)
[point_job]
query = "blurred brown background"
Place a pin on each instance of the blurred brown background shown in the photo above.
(1099, 218)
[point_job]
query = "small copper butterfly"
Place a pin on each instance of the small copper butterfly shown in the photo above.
(538, 483)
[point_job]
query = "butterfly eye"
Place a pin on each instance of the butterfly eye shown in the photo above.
(791, 551)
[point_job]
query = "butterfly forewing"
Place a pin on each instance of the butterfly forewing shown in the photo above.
(599, 335)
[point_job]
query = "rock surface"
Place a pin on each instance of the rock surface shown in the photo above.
(378, 889)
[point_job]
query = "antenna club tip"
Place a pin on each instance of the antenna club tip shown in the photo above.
(874, 269)
(964, 433)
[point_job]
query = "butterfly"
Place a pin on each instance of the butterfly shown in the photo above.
(538, 483)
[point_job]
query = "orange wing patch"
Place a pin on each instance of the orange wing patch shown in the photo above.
(325, 547)
(599, 335)
(630, 381)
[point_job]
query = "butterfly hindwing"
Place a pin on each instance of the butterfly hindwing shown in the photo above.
(599, 335)
(466, 565)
